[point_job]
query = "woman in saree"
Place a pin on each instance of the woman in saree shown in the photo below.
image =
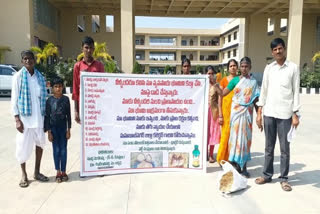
(213, 114)
(224, 114)
(245, 96)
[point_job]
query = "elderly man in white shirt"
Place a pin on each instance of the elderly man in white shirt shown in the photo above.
(28, 105)
(279, 99)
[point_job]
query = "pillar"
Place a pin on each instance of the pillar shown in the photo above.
(295, 31)
(178, 41)
(127, 35)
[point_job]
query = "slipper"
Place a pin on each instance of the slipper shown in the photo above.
(246, 174)
(211, 160)
(41, 177)
(286, 186)
(64, 177)
(24, 183)
(262, 180)
(58, 178)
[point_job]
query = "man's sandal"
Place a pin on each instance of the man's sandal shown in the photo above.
(24, 183)
(41, 177)
(286, 186)
(64, 177)
(262, 180)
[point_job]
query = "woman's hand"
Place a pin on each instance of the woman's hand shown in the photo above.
(221, 120)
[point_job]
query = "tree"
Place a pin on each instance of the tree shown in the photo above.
(316, 62)
(166, 69)
(199, 69)
(42, 55)
(137, 68)
(100, 52)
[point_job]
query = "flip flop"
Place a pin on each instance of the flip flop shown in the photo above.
(286, 186)
(64, 177)
(211, 160)
(262, 180)
(24, 183)
(246, 174)
(41, 177)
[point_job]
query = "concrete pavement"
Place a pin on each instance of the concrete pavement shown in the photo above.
(163, 192)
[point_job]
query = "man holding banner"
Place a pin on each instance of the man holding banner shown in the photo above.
(87, 64)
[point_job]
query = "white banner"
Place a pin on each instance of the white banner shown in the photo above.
(143, 123)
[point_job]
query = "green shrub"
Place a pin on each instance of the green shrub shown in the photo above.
(309, 79)
(65, 71)
(137, 68)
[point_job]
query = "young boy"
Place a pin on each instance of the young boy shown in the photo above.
(58, 125)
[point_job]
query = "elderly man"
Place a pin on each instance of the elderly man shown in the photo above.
(28, 100)
(279, 99)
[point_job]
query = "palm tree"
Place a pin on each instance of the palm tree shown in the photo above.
(100, 52)
(316, 61)
(43, 54)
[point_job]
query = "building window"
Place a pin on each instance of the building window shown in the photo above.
(234, 52)
(283, 27)
(81, 20)
(109, 23)
(229, 54)
(270, 29)
(139, 40)
(184, 42)
(162, 56)
(138, 56)
(45, 13)
(95, 23)
(235, 35)
(229, 38)
(162, 41)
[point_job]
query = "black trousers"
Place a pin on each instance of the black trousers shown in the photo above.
(272, 128)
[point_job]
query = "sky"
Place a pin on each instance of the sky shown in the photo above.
(189, 23)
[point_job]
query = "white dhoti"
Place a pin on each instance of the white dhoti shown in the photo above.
(25, 142)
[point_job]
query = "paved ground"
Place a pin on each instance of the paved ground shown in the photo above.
(163, 192)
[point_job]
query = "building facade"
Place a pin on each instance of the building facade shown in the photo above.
(65, 22)
(156, 48)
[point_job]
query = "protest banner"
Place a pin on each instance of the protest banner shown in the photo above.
(143, 123)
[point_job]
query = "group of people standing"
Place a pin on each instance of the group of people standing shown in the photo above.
(232, 101)
(230, 112)
(36, 114)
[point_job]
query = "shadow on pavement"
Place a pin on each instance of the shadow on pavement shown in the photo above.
(304, 178)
